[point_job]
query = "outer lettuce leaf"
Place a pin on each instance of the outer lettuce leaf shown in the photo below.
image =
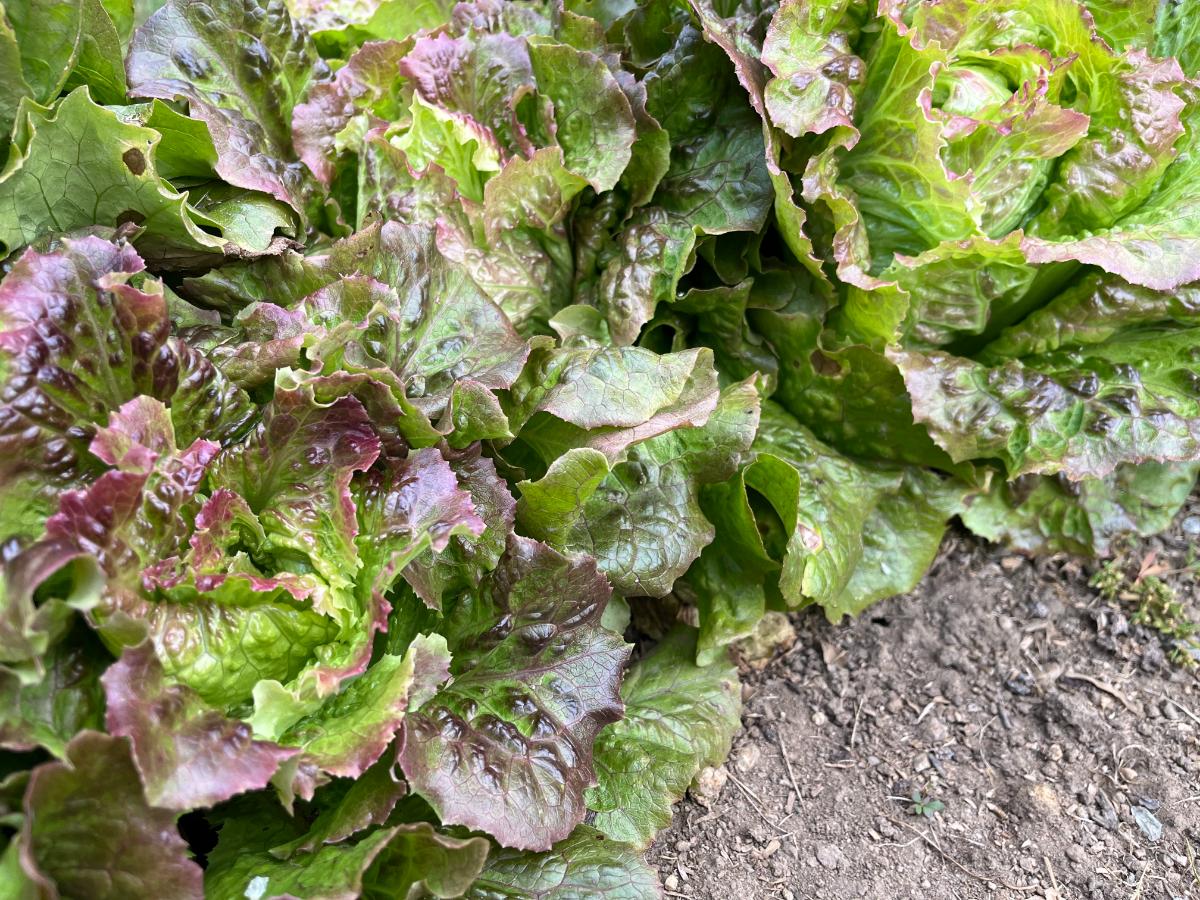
(1128, 400)
(585, 864)
(729, 583)
(1051, 514)
(347, 807)
(88, 831)
(594, 121)
(852, 397)
(378, 864)
(77, 164)
(679, 717)
(1095, 309)
(187, 754)
(29, 629)
(50, 45)
(242, 67)
(900, 540)
(844, 523)
(506, 746)
(422, 862)
(609, 398)
(68, 699)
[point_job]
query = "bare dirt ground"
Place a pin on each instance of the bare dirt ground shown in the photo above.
(1060, 742)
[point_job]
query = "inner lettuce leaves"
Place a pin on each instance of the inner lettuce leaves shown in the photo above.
(370, 373)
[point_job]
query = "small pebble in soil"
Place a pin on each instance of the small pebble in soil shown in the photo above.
(829, 856)
(747, 758)
(1020, 684)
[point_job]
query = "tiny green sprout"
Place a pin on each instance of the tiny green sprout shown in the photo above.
(925, 806)
(1109, 579)
(1159, 610)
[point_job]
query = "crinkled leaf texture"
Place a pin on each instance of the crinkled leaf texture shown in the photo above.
(79, 336)
(187, 754)
(401, 861)
(585, 864)
(641, 518)
(242, 66)
(506, 745)
(89, 832)
(679, 717)
(355, 356)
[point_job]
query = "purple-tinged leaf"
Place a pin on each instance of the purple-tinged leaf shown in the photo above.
(187, 753)
(506, 746)
(89, 832)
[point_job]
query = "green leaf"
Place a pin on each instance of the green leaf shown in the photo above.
(350, 806)
(641, 518)
(900, 540)
(100, 63)
(1125, 23)
(47, 36)
(585, 864)
(242, 864)
(351, 730)
(609, 398)
(1050, 514)
(66, 700)
(1093, 310)
(187, 754)
(242, 67)
(78, 164)
(679, 717)
(823, 500)
(816, 76)
(294, 473)
(421, 862)
(1128, 400)
(595, 124)
(908, 199)
(729, 581)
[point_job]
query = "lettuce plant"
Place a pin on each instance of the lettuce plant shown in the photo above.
(367, 368)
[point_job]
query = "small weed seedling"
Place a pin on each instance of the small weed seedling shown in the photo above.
(925, 806)
(1154, 606)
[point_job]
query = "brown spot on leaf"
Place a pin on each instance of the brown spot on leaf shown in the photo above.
(135, 160)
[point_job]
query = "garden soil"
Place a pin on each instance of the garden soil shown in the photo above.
(1052, 748)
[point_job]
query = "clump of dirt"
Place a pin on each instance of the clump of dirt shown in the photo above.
(1002, 731)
